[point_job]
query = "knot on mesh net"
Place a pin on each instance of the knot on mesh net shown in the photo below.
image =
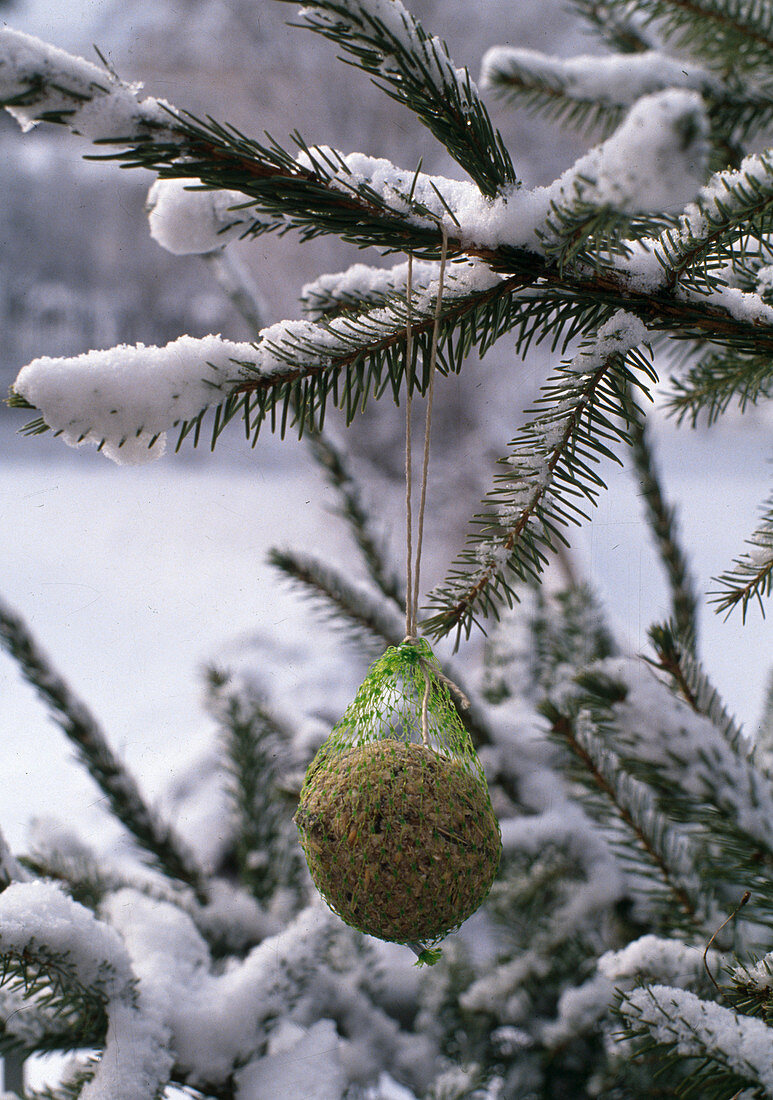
(395, 817)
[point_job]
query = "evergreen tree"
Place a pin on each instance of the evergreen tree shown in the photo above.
(625, 949)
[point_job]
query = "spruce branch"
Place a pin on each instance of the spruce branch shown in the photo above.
(593, 93)
(154, 836)
(701, 772)
(727, 33)
(292, 372)
(320, 191)
(662, 850)
(375, 625)
(736, 205)
(586, 93)
(615, 24)
(414, 68)
(64, 1011)
(726, 1054)
(676, 658)
(41, 83)
(751, 575)
(661, 517)
(717, 380)
(255, 743)
(548, 479)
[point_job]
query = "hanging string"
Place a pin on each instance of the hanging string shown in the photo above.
(413, 567)
(428, 420)
(409, 628)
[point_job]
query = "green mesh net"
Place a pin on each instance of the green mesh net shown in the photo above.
(395, 817)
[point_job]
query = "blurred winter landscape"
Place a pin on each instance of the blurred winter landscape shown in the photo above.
(131, 578)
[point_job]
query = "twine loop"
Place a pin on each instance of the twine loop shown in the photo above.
(413, 567)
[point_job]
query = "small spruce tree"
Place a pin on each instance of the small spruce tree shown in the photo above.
(626, 948)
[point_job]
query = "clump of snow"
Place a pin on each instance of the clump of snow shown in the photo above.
(186, 219)
(743, 305)
(38, 916)
(677, 1017)
(622, 332)
(650, 958)
(361, 283)
(217, 1019)
(298, 1063)
(655, 957)
(579, 1009)
(128, 396)
(641, 269)
(53, 82)
(618, 79)
(40, 913)
(657, 159)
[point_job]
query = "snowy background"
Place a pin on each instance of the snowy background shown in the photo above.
(133, 578)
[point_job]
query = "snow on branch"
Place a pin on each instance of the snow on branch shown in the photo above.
(59, 951)
(734, 204)
(651, 958)
(361, 285)
(722, 1040)
(38, 917)
(662, 853)
(218, 1019)
(699, 769)
(588, 89)
(40, 83)
(657, 959)
(384, 39)
(187, 220)
(126, 399)
(547, 478)
(731, 34)
(691, 681)
(689, 756)
(654, 161)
